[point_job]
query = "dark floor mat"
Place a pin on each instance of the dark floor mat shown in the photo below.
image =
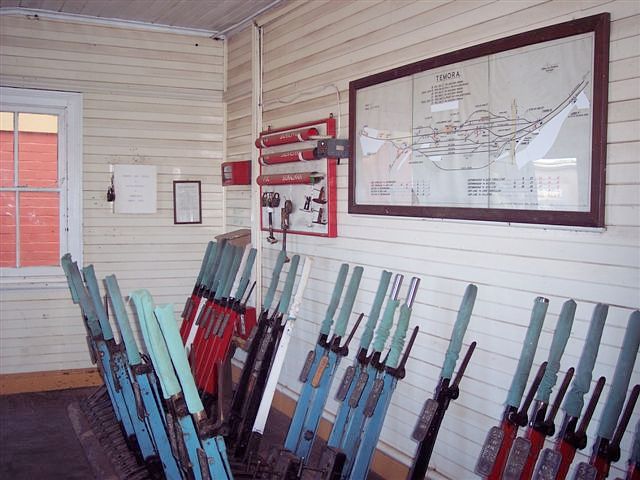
(37, 438)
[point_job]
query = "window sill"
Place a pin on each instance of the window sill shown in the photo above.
(16, 281)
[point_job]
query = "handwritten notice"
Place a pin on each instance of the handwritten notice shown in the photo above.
(136, 188)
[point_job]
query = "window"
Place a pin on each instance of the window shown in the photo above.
(40, 180)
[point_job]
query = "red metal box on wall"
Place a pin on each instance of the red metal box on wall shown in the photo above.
(236, 173)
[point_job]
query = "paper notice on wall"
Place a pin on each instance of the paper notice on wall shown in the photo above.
(136, 188)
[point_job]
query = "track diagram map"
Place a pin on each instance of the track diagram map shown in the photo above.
(510, 130)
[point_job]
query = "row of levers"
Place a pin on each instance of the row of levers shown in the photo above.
(190, 398)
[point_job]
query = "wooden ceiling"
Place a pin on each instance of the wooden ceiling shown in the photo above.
(215, 16)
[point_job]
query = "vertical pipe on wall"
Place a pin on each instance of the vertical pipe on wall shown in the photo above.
(256, 128)
(225, 59)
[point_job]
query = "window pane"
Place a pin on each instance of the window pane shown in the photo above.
(39, 229)
(7, 229)
(37, 150)
(6, 149)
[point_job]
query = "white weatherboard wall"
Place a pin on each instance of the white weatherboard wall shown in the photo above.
(311, 46)
(149, 98)
(237, 98)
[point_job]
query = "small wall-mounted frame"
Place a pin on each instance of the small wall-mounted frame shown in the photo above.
(513, 130)
(187, 202)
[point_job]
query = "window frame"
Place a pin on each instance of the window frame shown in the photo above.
(68, 107)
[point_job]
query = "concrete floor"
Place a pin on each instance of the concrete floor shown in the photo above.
(37, 439)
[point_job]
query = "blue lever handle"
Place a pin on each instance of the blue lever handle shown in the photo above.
(122, 318)
(374, 314)
(325, 327)
(203, 265)
(228, 274)
(275, 278)
(76, 285)
(94, 293)
(211, 266)
(156, 346)
(348, 301)
(167, 322)
(529, 346)
(246, 274)
(384, 328)
(559, 342)
(574, 401)
(459, 329)
(66, 263)
(621, 377)
(288, 285)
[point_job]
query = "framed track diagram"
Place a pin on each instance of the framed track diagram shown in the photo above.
(512, 130)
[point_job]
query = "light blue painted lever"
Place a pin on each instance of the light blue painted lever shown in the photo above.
(228, 275)
(559, 342)
(94, 293)
(529, 346)
(325, 327)
(156, 346)
(66, 263)
(233, 272)
(275, 277)
(210, 267)
(621, 377)
(203, 265)
(246, 274)
(397, 341)
(459, 329)
(172, 338)
(223, 267)
(347, 302)
(109, 370)
(75, 283)
(120, 312)
(374, 314)
(574, 401)
(382, 332)
(222, 244)
(285, 299)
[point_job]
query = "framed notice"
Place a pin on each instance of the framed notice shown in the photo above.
(512, 130)
(187, 203)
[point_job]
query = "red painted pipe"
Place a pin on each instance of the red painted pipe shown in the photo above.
(282, 138)
(288, 156)
(300, 178)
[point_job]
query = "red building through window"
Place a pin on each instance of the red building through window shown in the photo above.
(30, 196)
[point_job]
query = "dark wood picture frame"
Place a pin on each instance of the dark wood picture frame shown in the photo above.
(594, 217)
(187, 210)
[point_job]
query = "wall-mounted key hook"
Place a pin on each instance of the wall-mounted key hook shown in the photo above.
(285, 211)
(322, 196)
